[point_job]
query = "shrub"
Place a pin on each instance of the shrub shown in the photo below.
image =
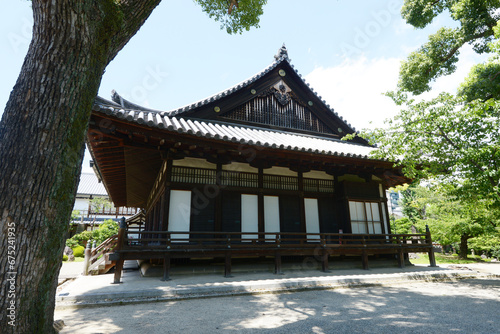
(105, 230)
(65, 257)
(71, 243)
(78, 251)
(495, 252)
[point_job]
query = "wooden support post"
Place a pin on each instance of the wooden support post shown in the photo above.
(227, 265)
(364, 258)
(86, 261)
(118, 270)
(324, 261)
(166, 267)
(401, 258)
(260, 206)
(432, 259)
(277, 263)
(119, 246)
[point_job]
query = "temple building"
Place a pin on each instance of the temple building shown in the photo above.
(256, 167)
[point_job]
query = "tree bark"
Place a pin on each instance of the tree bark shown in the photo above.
(464, 247)
(42, 135)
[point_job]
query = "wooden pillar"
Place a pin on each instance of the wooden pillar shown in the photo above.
(324, 261)
(119, 246)
(302, 204)
(166, 267)
(260, 200)
(166, 203)
(428, 238)
(401, 258)
(86, 261)
(364, 259)
(227, 264)
(277, 263)
(218, 200)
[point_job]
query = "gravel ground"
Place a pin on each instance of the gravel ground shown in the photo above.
(466, 306)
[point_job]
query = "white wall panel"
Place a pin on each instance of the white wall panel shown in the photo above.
(312, 217)
(271, 215)
(249, 216)
(179, 214)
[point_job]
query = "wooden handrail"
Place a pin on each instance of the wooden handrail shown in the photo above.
(157, 239)
(106, 246)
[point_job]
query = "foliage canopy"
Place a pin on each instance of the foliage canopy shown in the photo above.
(243, 17)
(475, 21)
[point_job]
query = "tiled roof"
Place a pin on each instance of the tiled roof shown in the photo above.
(89, 185)
(238, 133)
(280, 58)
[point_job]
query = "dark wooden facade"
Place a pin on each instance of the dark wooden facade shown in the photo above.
(256, 167)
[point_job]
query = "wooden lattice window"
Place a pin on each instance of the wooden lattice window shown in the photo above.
(281, 182)
(268, 110)
(193, 175)
(239, 179)
(318, 185)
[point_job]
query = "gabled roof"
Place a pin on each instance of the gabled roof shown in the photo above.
(90, 185)
(280, 72)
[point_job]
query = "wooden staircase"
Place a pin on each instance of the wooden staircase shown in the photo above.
(99, 262)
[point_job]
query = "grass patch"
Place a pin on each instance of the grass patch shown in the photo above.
(447, 259)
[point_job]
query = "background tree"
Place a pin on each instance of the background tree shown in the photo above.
(450, 219)
(447, 140)
(100, 205)
(42, 139)
(475, 26)
(451, 139)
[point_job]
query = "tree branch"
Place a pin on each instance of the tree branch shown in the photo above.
(135, 13)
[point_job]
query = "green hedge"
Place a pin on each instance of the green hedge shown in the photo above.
(79, 251)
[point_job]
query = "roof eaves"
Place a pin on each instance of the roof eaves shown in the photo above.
(249, 135)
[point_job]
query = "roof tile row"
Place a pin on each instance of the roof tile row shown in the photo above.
(240, 134)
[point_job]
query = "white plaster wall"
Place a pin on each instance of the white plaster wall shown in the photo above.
(271, 215)
(316, 174)
(179, 214)
(240, 167)
(280, 171)
(312, 217)
(194, 162)
(249, 216)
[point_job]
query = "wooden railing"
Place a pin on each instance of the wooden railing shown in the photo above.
(170, 241)
(93, 255)
(120, 211)
(167, 244)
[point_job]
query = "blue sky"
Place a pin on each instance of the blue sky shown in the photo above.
(349, 51)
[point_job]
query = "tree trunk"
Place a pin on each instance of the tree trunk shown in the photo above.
(42, 144)
(464, 247)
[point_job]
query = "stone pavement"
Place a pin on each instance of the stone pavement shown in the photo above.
(94, 291)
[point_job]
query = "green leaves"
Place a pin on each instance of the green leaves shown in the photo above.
(448, 217)
(419, 13)
(437, 57)
(242, 18)
(434, 59)
(448, 139)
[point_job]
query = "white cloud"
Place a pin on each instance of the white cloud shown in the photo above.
(355, 89)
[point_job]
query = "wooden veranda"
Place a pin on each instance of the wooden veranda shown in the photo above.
(165, 245)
